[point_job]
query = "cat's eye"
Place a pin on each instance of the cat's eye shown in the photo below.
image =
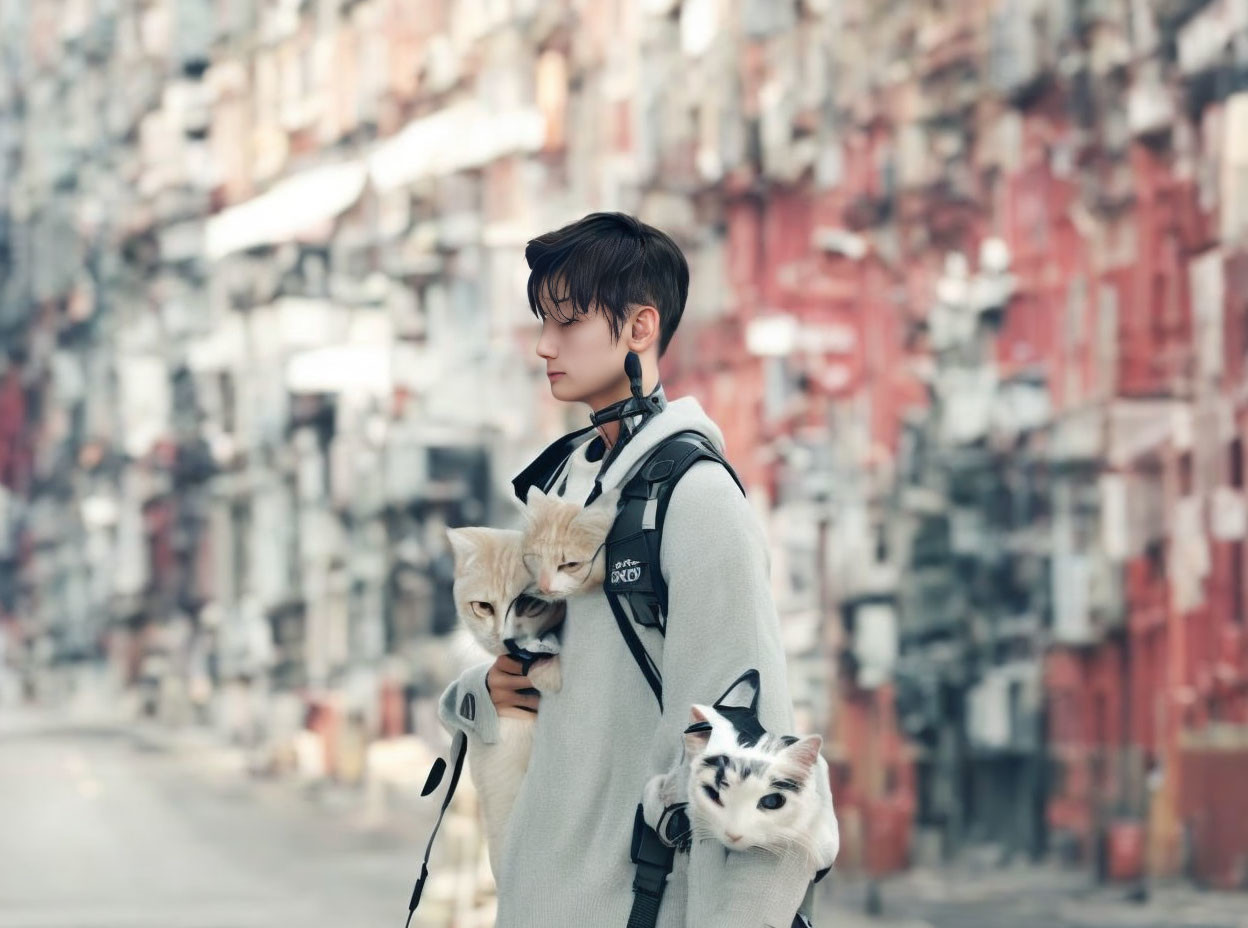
(771, 801)
(482, 608)
(713, 793)
(570, 565)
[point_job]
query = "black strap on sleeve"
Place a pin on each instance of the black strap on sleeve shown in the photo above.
(431, 783)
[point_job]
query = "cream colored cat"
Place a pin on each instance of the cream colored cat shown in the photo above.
(499, 600)
(564, 546)
(490, 580)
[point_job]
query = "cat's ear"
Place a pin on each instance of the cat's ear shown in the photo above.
(698, 734)
(534, 503)
(742, 694)
(463, 544)
(607, 499)
(600, 514)
(804, 752)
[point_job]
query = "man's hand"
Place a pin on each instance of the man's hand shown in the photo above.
(511, 691)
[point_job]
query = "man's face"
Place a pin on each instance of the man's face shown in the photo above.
(589, 363)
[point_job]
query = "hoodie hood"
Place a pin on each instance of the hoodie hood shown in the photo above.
(683, 414)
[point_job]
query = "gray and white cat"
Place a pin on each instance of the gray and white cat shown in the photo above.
(745, 787)
(513, 608)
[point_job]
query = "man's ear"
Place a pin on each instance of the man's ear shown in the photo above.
(643, 328)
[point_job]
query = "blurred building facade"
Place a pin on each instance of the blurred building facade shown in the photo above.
(969, 299)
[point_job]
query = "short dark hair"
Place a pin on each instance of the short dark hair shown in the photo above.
(615, 260)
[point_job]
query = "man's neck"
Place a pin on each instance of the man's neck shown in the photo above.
(610, 431)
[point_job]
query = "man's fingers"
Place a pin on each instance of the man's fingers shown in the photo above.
(509, 688)
(508, 664)
(512, 683)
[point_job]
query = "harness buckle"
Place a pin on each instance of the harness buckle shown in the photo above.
(674, 827)
(648, 848)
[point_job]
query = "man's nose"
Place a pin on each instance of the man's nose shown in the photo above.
(545, 347)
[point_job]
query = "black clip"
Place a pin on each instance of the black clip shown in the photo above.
(675, 828)
(647, 847)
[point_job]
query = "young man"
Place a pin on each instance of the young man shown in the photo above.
(603, 286)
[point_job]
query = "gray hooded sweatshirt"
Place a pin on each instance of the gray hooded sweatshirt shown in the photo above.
(597, 741)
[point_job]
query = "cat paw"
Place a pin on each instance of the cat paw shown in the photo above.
(672, 786)
(663, 791)
(546, 675)
(652, 800)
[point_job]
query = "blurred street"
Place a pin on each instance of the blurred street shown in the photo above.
(967, 297)
(103, 827)
(1026, 896)
(114, 826)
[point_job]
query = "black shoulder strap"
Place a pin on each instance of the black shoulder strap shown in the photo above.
(634, 586)
(691, 447)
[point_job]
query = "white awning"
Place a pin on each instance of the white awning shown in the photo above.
(352, 368)
(289, 208)
(466, 135)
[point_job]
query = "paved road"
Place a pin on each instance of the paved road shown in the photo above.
(96, 832)
(100, 830)
(1027, 897)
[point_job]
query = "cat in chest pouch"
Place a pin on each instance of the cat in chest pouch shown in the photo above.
(564, 545)
(510, 589)
(744, 787)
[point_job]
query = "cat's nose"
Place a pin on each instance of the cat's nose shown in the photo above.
(731, 837)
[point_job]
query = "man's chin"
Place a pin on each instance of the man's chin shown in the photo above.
(563, 391)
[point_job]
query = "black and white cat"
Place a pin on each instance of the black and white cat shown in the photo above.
(745, 787)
